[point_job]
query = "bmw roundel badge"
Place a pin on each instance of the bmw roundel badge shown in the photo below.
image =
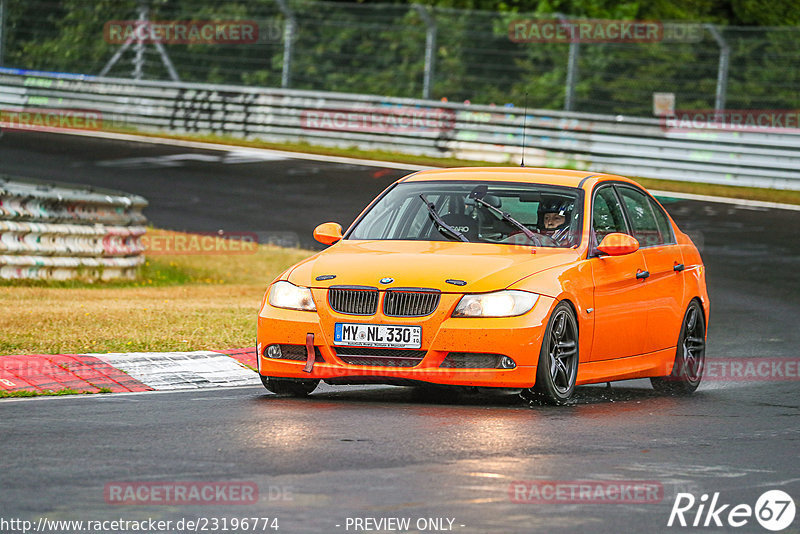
(387, 280)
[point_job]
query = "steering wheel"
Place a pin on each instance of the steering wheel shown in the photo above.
(543, 237)
(542, 240)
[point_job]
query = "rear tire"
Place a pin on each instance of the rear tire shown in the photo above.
(557, 371)
(288, 386)
(690, 355)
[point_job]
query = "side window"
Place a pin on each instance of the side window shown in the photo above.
(607, 215)
(662, 221)
(642, 217)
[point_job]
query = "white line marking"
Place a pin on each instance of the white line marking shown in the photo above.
(119, 396)
(238, 149)
(182, 370)
(383, 164)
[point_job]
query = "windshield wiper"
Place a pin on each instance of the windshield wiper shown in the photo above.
(478, 194)
(441, 224)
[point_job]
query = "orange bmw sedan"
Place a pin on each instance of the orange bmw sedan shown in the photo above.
(536, 279)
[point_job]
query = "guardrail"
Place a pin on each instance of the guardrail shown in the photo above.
(59, 232)
(618, 144)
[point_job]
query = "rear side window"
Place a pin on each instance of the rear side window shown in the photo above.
(664, 226)
(607, 214)
(650, 225)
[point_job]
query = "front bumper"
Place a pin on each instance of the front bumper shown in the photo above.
(519, 338)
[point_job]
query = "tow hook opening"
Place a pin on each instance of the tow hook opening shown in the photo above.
(310, 356)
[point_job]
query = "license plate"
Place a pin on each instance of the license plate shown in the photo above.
(377, 335)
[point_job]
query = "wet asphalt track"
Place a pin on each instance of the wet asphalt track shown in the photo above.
(403, 452)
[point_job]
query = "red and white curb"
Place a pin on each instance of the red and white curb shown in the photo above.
(128, 372)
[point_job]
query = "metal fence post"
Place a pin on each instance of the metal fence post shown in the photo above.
(722, 70)
(2, 31)
(138, 65)
(430, 49)
(138, 60)
(572, 67)
(288, 43)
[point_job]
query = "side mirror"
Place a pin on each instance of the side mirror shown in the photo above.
(617, 244)
(328, 233)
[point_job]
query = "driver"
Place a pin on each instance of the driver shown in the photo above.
(553, 219)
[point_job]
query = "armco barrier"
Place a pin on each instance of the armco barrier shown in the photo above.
(61, 232)
(617, 144)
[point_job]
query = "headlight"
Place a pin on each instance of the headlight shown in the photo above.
(287, 295)
(499, 304)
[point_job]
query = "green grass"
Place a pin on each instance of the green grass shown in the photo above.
(48, 393)
(154, 273)
(749, 193)
(178, 270)
(179, 303)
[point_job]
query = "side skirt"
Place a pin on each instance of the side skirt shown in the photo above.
(657, 363)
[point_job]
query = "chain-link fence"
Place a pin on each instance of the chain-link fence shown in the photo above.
(412, 51)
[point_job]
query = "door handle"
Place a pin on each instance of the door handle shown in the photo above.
(641, 275)
(678, 267)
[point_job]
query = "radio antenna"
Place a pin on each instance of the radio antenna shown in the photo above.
(524, 120)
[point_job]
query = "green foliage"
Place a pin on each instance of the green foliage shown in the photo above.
(765, 12)
(380, 49)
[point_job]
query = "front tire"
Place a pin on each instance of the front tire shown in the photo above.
(557, 371)
(288, 386)
(690, 355)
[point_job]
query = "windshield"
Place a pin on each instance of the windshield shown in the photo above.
(497, 212)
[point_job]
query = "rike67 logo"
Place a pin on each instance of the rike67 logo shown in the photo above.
(774, 510)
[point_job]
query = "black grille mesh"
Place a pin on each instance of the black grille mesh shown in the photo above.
(354, 301)
(471, 360)
(298, 352)
(410, 303)
(380, 357)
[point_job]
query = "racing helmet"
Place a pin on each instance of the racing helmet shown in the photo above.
(557, 205)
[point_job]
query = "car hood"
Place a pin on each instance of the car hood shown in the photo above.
(427, 264)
